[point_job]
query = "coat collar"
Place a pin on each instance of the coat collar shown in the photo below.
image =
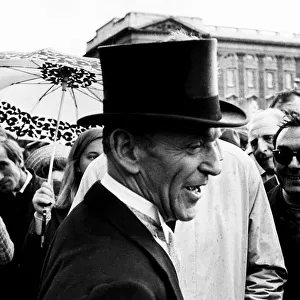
(120, 216)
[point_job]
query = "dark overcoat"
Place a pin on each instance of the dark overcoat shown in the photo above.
(288, 229)
(17, 212)
(102, 251)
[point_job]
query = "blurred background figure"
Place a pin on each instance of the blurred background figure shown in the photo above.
(39, 161)
(6, 245)
(297, 83)
(287, 100)
(243, 133)
(86, 148)
(230, 135)
(262, 128)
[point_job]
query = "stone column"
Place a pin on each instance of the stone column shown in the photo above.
(280, 71)
(241, 76)
(261, 82)
(221, 78)
(297, 60)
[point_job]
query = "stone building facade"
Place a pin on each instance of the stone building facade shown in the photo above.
(253, 64)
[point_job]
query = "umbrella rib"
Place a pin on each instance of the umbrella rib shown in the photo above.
(39, 100)
(21, 82)
(71, 91)
(94, 96)
(36, 63)
(18, 69)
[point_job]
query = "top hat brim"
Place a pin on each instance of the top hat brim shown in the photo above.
(232, 116)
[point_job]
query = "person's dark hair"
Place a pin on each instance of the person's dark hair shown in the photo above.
(71, 178)
(283, 97)
(291, 119)
(58, 165)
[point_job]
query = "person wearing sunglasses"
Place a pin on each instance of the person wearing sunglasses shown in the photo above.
(285, 198)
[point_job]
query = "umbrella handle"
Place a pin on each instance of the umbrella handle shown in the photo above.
(64, 88)
(44, 221)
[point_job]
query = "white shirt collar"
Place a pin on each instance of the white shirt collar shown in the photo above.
(28, 178)
(135, 201)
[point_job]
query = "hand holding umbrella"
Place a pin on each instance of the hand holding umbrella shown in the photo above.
(43, 200)
(44, 77)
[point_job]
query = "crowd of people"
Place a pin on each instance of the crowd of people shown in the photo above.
(175, 195)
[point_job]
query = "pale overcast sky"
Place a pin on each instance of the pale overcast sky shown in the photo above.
(66, 25)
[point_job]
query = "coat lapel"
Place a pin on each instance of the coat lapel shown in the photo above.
(121, 217)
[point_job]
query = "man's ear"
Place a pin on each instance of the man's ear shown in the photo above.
(20, 163)
(123, 149)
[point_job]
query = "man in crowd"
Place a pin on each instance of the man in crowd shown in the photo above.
(285, 198)
(17, 187)
(161, 118)
(286, 100)
(262, 128)
(231, 249)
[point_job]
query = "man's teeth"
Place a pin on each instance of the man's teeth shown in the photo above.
(194, 189)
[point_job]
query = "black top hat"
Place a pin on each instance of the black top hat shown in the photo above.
(157, 82)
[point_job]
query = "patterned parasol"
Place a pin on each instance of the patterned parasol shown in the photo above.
(22, 125)
(51, 85)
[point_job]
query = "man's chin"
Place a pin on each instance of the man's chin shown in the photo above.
(188, 214)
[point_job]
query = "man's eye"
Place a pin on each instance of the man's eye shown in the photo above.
(195, 147)
(268, 138)
(2, 165)
(254, 143)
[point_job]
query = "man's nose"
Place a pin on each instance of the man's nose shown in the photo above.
(294, 163)
(210, 164)
(1, 176)
(262, 145)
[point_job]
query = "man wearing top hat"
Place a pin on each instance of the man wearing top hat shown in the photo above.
(161, 123)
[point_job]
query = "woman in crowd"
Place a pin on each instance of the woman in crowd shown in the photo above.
(39, 161)
(86, 148)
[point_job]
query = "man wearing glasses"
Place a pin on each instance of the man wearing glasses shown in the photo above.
(285, 198)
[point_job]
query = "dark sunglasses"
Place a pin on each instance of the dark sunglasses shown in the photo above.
(285, 155)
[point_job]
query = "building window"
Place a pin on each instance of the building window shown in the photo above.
(230, 77)
(249, 57)
(269, 58)
(270, 80)
(250, 78)
(289, 83)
